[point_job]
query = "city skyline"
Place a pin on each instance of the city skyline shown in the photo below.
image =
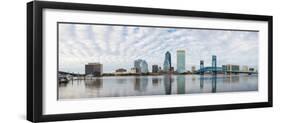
(118, 46)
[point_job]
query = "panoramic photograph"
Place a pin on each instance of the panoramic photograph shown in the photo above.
(107, 60)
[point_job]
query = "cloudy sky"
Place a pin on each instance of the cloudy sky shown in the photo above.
(118, 46)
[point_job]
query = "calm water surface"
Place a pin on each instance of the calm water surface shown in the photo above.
(117, 86)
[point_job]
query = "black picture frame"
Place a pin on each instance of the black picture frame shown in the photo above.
(35, 68)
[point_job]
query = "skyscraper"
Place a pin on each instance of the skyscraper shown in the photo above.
(141, 66)
(167, 62)
(137, 65)
(180, 61)
(144, 67)
(94, 69)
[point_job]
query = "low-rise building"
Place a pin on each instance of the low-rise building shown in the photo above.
(231, 68)
(193, 69)
(155, 69)
(134, 70)
(252, 69)
(245, 68)
(120, 70)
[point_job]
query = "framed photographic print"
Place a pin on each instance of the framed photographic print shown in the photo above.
(89, 61)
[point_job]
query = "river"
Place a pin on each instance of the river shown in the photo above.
(119, 86)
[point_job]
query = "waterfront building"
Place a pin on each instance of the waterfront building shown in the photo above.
(180, 61)
(141, 66)
(120, 70)
(155, 68)
(193, 69)
(167, 62)
(224, 68)
(235, 68)
(251, 69)
(144, 68)
(172, 69)
(93, 68)
(231, 68)
(160, 70)
(133, 70)
(245, 68)
(137, 65)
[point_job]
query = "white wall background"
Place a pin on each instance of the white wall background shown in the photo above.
(13, 61)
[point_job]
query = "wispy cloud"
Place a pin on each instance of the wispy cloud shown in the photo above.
(118, 46)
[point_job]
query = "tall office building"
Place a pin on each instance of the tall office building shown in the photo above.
(94, 69)
(137, 64)
(141, 66)
(144, 68)
(167, 62)
(180, 61)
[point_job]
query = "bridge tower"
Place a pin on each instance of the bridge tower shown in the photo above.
(201, 67)
(214, 64)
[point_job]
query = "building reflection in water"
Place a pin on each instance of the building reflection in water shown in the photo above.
(168, 84)
(193, 78)
(155, 82)
(155, 85)
(230, 78)
(96, 83)
(121, 80)
(214, 83)
(235, 78)
(62, 84)
(245, 78)
(181, 84)
(140, 83)
(201, 81)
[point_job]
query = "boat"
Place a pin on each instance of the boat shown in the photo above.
(64, 78)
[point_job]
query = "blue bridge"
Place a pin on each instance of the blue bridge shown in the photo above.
(221, 70)
(210, 69)
(214, 69)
